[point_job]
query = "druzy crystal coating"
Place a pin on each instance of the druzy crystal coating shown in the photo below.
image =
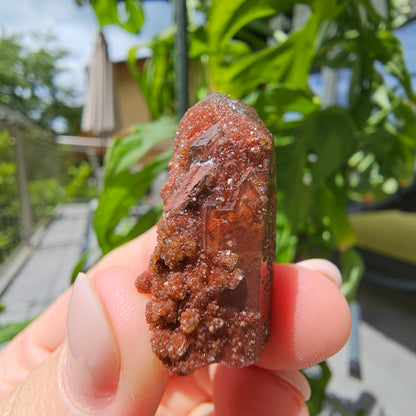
(210, 275)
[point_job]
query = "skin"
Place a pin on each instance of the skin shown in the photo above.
(310, 322)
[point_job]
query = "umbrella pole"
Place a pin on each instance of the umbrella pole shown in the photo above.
(181, 55)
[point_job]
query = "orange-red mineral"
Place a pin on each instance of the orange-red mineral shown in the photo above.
(211, 272)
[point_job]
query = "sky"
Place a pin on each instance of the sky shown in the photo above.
(75, 29)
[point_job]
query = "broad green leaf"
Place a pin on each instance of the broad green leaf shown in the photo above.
(331, 137)
(120, 194)
(123, 188)
(328, 135)
(289, 61)
(227, 17)
(272, 64)
(274, 102)
(127, 151)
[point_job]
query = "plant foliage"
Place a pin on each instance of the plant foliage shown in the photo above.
(326, 156)
(126, 184)
(327, 153)
(28, 84)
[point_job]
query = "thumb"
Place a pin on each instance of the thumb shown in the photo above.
(105, 365)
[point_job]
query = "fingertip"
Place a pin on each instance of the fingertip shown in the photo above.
(325, 267)
(310, 319)
(255, 391)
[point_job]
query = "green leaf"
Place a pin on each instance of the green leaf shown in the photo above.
(9, 331)
(144, 222)
(123, 186)
(273, 64)
(197, 42)
(156, 79)
(318, 383)
(227, 17)
(352, 268)
(132, 65)
(290, 161)
(286, 241)
(127, 13)
(289, 61)
(133, 16)
(331, 204)
(329, 136)
(332, 139)
(389, 51)
(106, 11)
(120, 194)
(274, 102)
(128, 150)
(80, 266)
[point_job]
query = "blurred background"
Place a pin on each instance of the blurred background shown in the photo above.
(91, 93)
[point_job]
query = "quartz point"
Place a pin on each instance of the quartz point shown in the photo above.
(211, 272)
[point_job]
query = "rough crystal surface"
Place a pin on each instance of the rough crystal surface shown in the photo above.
(211, 272)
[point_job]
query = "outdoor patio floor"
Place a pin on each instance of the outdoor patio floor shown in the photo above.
(45, 271)
(387, 331)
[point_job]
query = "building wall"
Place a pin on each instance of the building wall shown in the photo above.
(130, 102)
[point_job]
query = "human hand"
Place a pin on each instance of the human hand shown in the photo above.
(103, 363)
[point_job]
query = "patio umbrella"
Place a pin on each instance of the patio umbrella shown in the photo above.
(99, 115)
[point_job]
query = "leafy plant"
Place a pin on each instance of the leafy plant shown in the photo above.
(327, 154)
(126, 184)
(326, 157)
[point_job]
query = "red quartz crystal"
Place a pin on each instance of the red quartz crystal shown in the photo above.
(211, 271)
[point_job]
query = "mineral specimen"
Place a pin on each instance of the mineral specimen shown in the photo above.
(211, 271)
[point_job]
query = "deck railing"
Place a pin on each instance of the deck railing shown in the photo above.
(29, 185)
